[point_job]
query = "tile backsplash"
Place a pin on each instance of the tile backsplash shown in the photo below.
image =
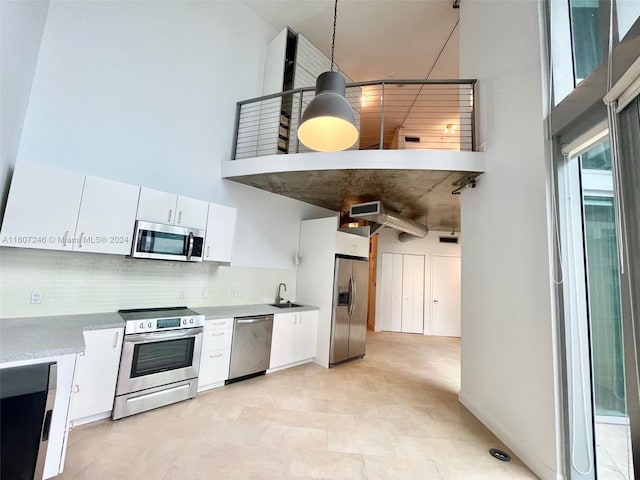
(72, 283)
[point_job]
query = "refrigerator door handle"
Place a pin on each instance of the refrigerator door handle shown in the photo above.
(352, 295)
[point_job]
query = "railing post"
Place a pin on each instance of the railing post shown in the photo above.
(473, 117)
(234, 145)
(381, 146)
(299, 119)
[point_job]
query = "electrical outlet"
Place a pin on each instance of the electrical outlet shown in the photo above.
(205, 292)
(240, 292)
(182, 294)
(36, 297)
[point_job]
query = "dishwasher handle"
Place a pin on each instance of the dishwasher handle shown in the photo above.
(253, 320)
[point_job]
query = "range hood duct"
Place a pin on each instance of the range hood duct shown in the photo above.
(375, 212)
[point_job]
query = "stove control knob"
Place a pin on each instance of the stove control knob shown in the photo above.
(150, 324)
(191, 320)
(141, 325)
(184, 321)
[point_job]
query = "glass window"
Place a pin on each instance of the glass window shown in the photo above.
(604, 306)
(585, 31)
(628, 13)
(598, 158)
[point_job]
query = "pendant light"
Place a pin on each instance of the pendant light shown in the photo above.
(328, 123)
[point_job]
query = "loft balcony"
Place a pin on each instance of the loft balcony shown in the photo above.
(417, 145)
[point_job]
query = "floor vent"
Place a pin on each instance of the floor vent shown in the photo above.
(449, 239)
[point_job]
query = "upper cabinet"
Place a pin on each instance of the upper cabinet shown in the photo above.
(156, 206)
(163, 207)
(55, 209)
(106, 218)
(353, 245)
(191, 212)
(42, 208)
(221, 228)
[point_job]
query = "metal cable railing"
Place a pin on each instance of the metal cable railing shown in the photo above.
(391, 114)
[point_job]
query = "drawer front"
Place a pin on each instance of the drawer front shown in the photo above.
(216, 338)
(218, 323)
(214, 366)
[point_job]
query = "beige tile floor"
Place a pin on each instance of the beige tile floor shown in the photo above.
(393, 415)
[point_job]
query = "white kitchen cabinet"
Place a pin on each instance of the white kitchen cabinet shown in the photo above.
(401, 293)
(283, 339)
(307, 333)
(191, 212)
(353, 245)
(221, 229)
(216, 353)
(94, 381)
(294, 338)
(42, 207)
(156, 206)
(168, 208)
(107, 216)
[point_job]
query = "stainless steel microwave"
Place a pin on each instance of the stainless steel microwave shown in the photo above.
(167, 242)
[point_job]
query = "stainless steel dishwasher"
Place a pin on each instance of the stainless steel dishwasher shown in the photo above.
(250, 347)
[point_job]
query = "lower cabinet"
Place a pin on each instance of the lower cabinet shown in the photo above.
(96, 372)
(216, 353)
(294, 338)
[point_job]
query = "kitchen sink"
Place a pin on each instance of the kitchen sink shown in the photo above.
(285, 305)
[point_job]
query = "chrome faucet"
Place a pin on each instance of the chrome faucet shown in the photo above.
(279, 298)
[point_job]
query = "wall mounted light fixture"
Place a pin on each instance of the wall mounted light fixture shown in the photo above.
(328, 123)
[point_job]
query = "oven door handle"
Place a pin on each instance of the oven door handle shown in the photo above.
(161, 336)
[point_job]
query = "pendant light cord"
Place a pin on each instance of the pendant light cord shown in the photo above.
(333, 38)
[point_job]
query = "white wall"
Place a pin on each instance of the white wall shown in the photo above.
(508, 374)
(21, 26)
(427, 246)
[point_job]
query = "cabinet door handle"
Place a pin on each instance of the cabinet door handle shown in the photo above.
(80, 240)
(215, 356)
(217, 334)
(218, 323)
(208, 250)
(180, 216)
(76, 389)
(169, 217)
(115, 339)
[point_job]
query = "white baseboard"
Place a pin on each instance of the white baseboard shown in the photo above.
(288, 365)
(537, 465)
(91, 418)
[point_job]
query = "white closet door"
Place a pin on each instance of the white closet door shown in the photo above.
(413, 294)
(390, 312)
(445, 281)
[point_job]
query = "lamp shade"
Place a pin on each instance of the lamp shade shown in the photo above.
(328, 123)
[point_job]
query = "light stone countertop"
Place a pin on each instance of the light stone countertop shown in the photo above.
(228, 311)
(27, 338)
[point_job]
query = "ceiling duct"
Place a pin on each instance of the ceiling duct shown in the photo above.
(375, 212)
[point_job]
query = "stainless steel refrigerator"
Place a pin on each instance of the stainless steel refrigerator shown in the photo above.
(349, 317)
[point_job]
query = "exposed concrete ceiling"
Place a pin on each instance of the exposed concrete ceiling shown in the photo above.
(375, 39)
(413, 193)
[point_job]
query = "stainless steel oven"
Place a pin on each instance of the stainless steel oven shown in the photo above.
(160, 359)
